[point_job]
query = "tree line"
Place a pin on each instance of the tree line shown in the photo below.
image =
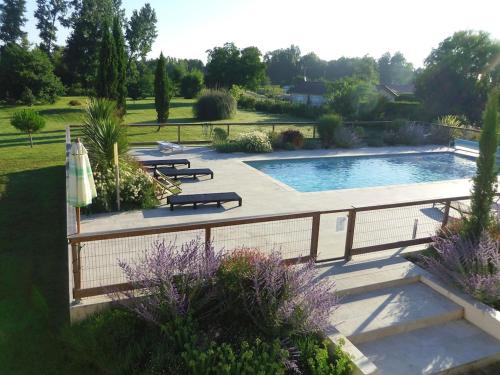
(455, 78)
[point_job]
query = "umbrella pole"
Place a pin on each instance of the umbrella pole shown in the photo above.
(77, 209)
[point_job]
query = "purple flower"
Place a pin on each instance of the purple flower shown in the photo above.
(473, 265)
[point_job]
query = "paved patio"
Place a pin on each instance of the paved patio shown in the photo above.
(263, 195)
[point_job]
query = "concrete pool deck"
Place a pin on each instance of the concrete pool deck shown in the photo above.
(263, 195)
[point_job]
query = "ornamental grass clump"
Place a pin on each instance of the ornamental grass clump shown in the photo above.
(254, 141)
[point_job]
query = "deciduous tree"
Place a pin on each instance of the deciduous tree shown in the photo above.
(48, 12)
(458, 75)
(12, 20)
(141, 32)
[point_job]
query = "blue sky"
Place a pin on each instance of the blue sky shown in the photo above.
(331, 28)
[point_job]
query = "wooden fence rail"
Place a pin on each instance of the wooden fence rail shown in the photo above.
(268, 124)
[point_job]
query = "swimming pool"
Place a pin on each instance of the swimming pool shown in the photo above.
(347, 172)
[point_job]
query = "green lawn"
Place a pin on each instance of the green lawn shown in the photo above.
(33, 259)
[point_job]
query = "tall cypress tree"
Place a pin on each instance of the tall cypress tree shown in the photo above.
(485, 181)
(11, 20)
(121, 65)
(107, 73)
(162, 97)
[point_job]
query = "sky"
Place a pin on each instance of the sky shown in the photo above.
(330, 28)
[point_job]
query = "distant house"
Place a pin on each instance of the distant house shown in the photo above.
(397, 92)
(312, 93)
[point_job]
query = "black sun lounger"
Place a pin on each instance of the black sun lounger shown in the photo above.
(186, 172)
(166, 162)
(196, 199)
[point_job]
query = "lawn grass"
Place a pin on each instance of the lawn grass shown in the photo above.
(33, 253)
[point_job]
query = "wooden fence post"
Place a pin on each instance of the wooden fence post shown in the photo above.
(446, 214)
(314, 131)
(315, 235)
(208, 237)
(178, 134)
(228, 130)
(351, 222)
(77, 275)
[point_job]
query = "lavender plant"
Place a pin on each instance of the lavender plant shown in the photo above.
(172, 281)
(473, 265)
(276, 299)
(246, 287)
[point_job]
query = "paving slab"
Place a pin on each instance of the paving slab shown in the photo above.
(379, 313)
(456, 345)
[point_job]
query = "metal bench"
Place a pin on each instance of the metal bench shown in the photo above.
(195, 199)
(186, 172)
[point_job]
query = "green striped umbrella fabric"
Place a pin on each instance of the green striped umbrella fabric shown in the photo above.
(81, 181)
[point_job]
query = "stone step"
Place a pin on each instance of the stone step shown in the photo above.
(383, 312)
(450, 348)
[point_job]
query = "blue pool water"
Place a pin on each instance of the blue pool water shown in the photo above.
(332, 173)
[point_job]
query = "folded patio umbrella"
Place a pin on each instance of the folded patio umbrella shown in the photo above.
(81, 181)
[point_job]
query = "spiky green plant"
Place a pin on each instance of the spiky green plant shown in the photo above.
(102, 128)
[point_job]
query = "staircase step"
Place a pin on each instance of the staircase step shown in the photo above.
(452, 347)
(361, 277)
(368, 316)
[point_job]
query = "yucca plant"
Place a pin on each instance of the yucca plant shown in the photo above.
(102, 128)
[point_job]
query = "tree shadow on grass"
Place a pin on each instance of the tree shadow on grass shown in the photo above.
(62, 131)
(33, 270)
(25, 142)
(59, 111)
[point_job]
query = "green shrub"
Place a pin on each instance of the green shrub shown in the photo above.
(375, 142)
(345, 137)
(214, 105)
(27, 121)
(317, 359)
(327, 126)
(101, 129)
(293, 137)
(93, 343)
(360, 132)
(136, 188)
(439, 135)
(74, 103)
(236, 92)
(227, 146)
(275, 139)
(254, 141)
(27, 97)
(312, 144)
(191, 84)
(219, 134)
(246, 102)
(258, 358)
(410, 110)
(404, 133)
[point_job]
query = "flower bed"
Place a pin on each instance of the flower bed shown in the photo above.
(201, 311)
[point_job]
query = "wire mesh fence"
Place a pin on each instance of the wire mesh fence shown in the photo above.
(320, 236)
(292, 237)
(388, 225)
